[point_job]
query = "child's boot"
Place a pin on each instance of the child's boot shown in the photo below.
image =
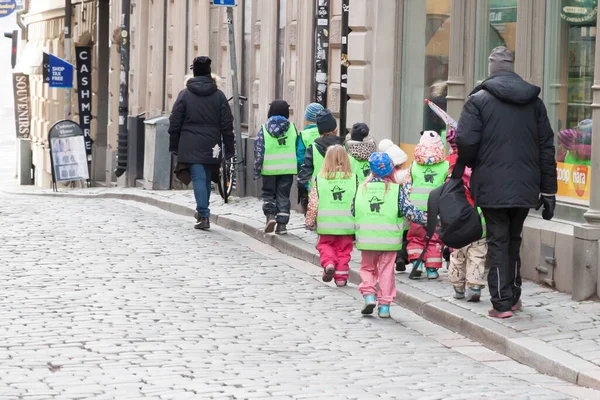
(341, 282)
(416, 271)
(400, 265)
(384, 311)
(328, 273)
(270, 225)
(370, 303)
(432, 273)
(281, 229)
(473, 293)
(459, 292)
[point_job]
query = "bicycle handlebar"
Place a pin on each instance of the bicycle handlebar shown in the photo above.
(242, 98)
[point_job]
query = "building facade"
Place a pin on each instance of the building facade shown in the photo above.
(399, 53)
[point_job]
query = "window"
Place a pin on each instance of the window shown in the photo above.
(569, 75)
(496, 27)
(425, 54)
(280, 53)
(246, 59)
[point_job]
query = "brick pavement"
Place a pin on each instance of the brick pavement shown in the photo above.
(110, 299)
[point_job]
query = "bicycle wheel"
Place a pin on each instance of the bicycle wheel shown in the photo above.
(227, 179)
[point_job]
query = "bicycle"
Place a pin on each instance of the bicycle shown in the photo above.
(227, 177)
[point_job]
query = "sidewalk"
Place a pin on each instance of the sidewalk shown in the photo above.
(553, 334)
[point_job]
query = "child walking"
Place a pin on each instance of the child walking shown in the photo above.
(360, 145)
(381, 209)
(275, 160)
(305, 140)
(330, 208)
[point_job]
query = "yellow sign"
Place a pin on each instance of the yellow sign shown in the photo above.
(573, 180)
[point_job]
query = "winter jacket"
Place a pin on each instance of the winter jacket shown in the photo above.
(362, 150)
(504, 135)
(301, 146)
(200, 123)
(306, 171)
(277, 126)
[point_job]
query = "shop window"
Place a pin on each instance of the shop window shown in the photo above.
(496, 26)
(569, 76)
(280, 53)
(246, 59)
(426, 41)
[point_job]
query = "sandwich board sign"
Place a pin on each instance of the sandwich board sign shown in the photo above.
(67, 152)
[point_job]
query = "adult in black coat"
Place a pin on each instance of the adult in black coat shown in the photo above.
(199, 126)
(504, 135)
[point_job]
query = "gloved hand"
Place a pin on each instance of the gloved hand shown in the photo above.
(549, 203)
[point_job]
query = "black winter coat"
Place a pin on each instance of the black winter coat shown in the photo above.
(307, 168)
(200, 123)
(505, 136)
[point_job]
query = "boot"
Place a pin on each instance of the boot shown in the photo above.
(281, 229)
(518, 305)
(432, 273)
(384, 311)
(370, 303)
(400, 265)
(473, 294)
(270, 225)
(499, 314)
(328, 273)
(203, 223)
(459, 293)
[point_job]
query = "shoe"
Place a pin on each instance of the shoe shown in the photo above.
(499, 314)
(459, 293)
(473, 294)
(281, 229)
(517, 306)
(416, 271)
(197, 216)
(341, 283)
(432, 273)
(203, 223)
(270, 226)
(370, 303)
(384, 311)
(328, 273)
(400, 266)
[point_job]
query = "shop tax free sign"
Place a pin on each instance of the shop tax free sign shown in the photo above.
(57, 72)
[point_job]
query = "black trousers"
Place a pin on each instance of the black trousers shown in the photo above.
(276, 196)
(403, 254)
(504, 227)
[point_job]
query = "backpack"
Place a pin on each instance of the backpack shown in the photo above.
(459, 222)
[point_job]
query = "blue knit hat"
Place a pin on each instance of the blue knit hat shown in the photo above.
(311, 111)
(381, 164)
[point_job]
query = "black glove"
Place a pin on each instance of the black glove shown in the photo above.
(549, 203)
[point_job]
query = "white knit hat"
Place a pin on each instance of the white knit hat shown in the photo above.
(398, 156)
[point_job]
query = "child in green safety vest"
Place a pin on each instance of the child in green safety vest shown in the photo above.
(380, 210)
(275, 161)
(330, 209)
(427, 172)
(315, 154)
(360, 145)
(306, 138)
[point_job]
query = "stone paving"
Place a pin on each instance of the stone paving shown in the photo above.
(109, 299)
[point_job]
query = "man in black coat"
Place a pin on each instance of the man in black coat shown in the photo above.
(504, 135)
(200, 125)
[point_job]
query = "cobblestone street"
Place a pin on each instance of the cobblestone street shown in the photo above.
(108, 299)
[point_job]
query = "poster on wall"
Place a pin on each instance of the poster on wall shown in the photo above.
(22, 105)
(84, 92)
(579, 11)
(344, 67)
(67, 152)
(322, 51)
(573, 180)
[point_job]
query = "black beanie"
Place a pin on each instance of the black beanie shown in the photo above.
(279, 107)
(326, 121)
(201, 66)
(359, 131)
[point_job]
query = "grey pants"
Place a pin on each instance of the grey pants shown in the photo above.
(276, 196)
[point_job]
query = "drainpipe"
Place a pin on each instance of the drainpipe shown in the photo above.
(68, 13)
(187, 35)
(123, 90)
(164, 85)
(24, 31)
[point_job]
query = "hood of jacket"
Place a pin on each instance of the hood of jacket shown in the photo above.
(277, 126)
(323, 143)
(509, 87)
(361, 150)
(202, 85)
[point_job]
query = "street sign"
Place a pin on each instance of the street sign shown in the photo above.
(7, 7)
(22, 104)
(83, 55)
(67, 152)
(226, 3)
(57, 72)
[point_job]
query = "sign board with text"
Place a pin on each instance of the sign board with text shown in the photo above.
(22, 105)
(67, 152)
(83, 56)
(57, 72)
(573, 180)
(7, 7)
(226, 3)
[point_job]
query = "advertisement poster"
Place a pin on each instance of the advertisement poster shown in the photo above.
(322, 51)
(68, 155)
(573, 180)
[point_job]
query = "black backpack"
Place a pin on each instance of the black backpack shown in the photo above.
(459, 222)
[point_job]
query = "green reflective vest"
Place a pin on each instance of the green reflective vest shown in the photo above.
(318, 161)
(425, 178)
(483, 225)
(360, 168)
(378, 226)
(309, 136)
(334, 215)
(280, 153)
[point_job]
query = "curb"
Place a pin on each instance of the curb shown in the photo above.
(532, 352)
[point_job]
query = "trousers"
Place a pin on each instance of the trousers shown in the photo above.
(416, 244)
(467, 265)
(336, 250)
(504, 227)
(378, 266)
(276, 196)
(201, 179)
